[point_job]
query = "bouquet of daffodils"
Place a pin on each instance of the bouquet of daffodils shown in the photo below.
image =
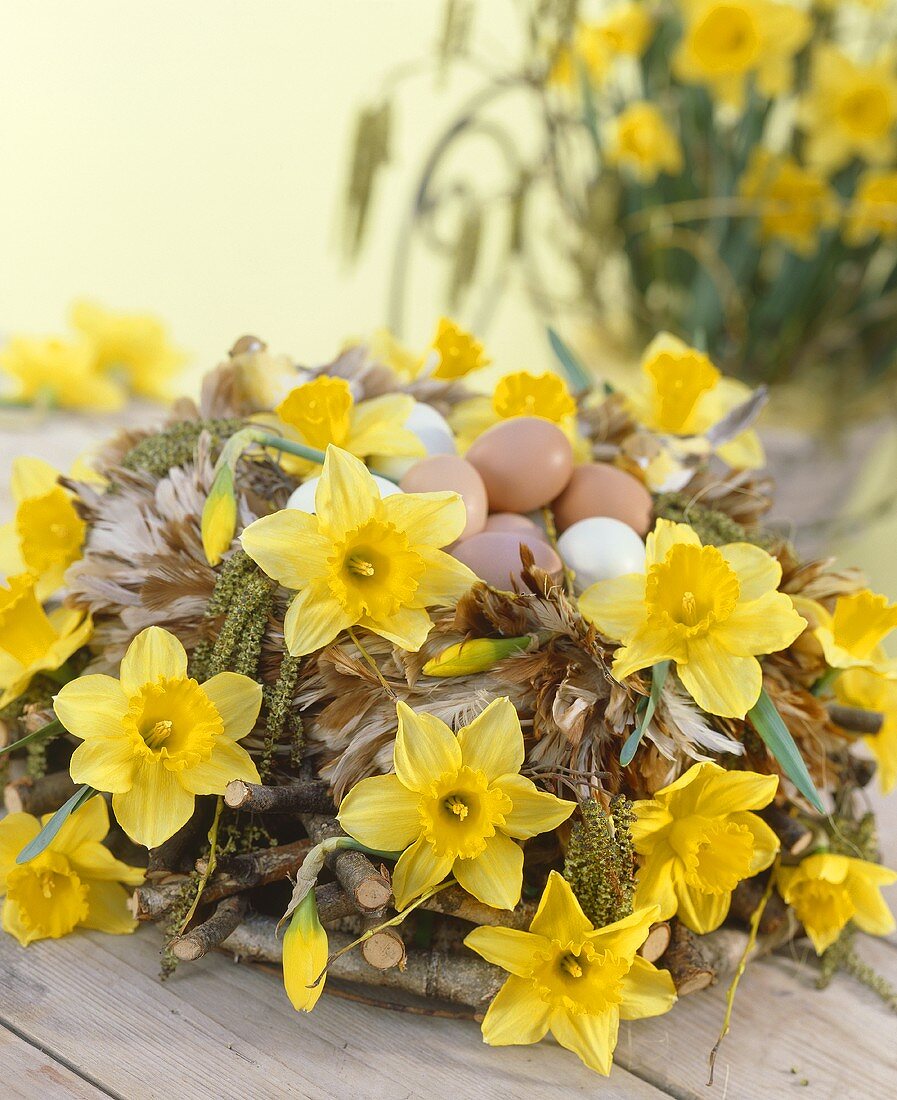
(508, 700)
(726, 171)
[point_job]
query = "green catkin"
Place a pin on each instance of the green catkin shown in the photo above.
(714, 528)
(176, 445)
(278, 703)
(600, 862)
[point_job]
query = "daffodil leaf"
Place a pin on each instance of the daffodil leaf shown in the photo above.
(48, 833)
(49, 730)
(658, 678)
(576, 373)
(767, 721)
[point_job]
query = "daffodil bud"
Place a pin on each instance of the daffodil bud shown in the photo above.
(476, 655)
(219, 516)
(305, 953)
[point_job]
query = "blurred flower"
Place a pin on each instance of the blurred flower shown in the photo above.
(32, 641)
(134, 345)
(681, 393)
(828, 890)
(458, 352)
(860, 687)
(873, 209)
(711, 610)
(642, 143)
(75, 881)
(305, 952)
(698, 840)
(852, 636)
(728, 41)
(46, 534)
(59, 372)
(453, 806)
(571, 979)
(850, 110)
(361, 561)
(794, 203)
(625, 31)
(155, 738)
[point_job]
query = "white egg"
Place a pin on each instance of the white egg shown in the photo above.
(600, 548)
(432, 429)
(303, 498)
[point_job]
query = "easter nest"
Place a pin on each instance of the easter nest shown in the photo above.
(328, 717)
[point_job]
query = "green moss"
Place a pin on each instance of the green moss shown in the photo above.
(176, 445)
(714, 528)
(600, 862)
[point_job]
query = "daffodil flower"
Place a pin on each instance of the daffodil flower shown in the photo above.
(861, 687)
(31, 640)
(134, 345)
(156, 738)
(305, 953)
(46, 535)
(61, 372)
(643, 143)
(74, 882)
(873, 209)
(360, 560)
(453, 353)
(571, 979)
(698, 840)
(454, 805)
(709, 609)
(794, 203)
(679, 392)
(852, 636)
(827, 890)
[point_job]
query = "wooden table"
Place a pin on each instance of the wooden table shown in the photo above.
(86, 1016)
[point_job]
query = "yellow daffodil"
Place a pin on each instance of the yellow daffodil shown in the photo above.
(828, 890)
(458, 352)
(59, 372)
(681, 393)
(571, 979)
(698, 839)
(32, 640)
(873, 209)
(360, 560)
(134, 345)
(726, 43)
(711, 610)
(305, 954)
(861, 687)
(46, 534)
(156, 738)
(850, 110)
(385, 348)
(74, 882)
(852, 637)
(323, 412)
(643, 143)
(794, 204)
(626, 30)
(454, 805)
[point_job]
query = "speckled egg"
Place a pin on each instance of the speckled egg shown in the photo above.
(495, 557)
(599, 549)
(524, 462)
(439, 473)
(597, 489)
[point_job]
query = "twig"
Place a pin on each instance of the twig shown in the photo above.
(38, 796)
(689, 967)
(369, 890)
(312, 796)
(795, 837)
(855, 719)
(384, 948)
(657, 942)
(195, 943)
(204, 877)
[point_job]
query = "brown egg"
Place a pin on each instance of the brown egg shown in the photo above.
(449, 472)
(596, 489)
(525, 462)
(517, 524)
(495, 557)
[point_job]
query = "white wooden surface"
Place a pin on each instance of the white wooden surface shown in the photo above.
(87, 1017)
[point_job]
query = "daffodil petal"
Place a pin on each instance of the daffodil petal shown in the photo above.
(495, 876)
(417, 870)
(16, 830)
(429, 519)
(664, 537)
(724, 792)
(718, 681)
(425, 749)
(764, 625)
(510, 948)
(93, 860)
(91, 706)
(534, 811)
(378, 427)
(106, 763)
(617, 606)
(381, 813)
(238, 701)
(228, 761)
(346, 497)
(516, 1017)
(872, 912)
(288, 547)
(87, 825)
(651, 817)
(744, 452)
(313, 619)
(155, 807)
(655, 884)
(493, 742)
(701, 912)
(592, 1038)
(766, 843)
(31, 477)
(647, 647)
(305, 950)
(625, 936)
(155, 654)
(107, 909)
(647, 991)
(445, 579)
(560, 916)
(407, 628)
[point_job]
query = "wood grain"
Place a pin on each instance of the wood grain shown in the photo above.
(29, 1073)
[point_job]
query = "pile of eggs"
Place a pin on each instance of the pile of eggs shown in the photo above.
(510, 473)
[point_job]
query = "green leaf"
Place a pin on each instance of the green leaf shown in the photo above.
(767, 721)
(576, 373)
(49, 730)
(658, 678)
(47, 834)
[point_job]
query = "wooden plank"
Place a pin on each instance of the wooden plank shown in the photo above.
(28, 1073)
(226, 1030)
